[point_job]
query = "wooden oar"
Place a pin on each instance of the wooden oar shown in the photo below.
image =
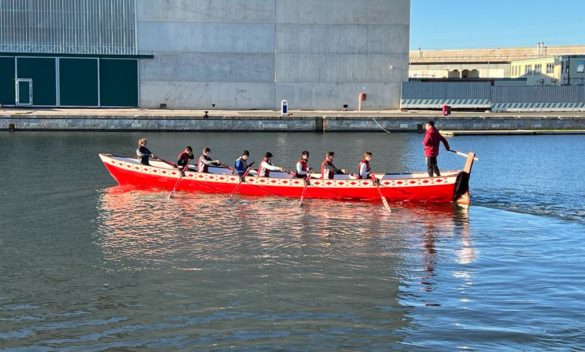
(241, 180)
(164, 161)
(179, 180)
(232, 169)
(307, 181)
(461, 154)
(384, 201)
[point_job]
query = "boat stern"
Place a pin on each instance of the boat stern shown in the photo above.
(461, 195)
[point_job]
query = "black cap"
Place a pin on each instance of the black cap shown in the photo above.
(246, 153)
(268, 155)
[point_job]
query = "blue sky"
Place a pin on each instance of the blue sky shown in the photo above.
(454, 24)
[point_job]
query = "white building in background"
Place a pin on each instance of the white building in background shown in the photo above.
(250, 54)
(498, 63)
(551, 70)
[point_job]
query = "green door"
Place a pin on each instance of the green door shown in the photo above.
(78, 82)
(24, 92)
(7, 91)
(42, 71)
(119, 82)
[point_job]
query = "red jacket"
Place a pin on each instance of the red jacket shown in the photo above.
(432, 141)
(183, 158)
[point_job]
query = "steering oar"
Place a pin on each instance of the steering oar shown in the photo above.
(461, 154)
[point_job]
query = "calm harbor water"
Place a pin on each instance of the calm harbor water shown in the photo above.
(88, 266)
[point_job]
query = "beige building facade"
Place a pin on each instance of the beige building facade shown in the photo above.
(550, 70)
(455, 70)
(499, 63)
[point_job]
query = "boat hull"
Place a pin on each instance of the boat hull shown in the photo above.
(395, 188)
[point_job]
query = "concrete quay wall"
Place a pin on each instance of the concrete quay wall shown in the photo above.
(400, 122)
(123, 123)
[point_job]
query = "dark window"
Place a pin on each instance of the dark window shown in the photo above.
(537, 69)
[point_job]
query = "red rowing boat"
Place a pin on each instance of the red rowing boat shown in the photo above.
(450, 187)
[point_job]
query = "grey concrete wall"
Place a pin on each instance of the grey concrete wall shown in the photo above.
(250, 54)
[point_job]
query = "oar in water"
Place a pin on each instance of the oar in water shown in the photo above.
(241, 180)
(307, 182)
(179, 180)
(384, 201)
(461, 154)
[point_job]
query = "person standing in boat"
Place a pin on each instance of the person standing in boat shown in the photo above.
(142, 153)
(302, 167)
(241, 163)
(266, 166)
(431, 144)
(205, 161)
(364, 170)
(184, 157)
(328, 169)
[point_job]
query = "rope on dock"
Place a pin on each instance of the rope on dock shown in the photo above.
(382, 128)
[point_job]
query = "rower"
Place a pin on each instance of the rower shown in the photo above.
(266, 166)
(364, 170)
(205, 161)
(302, 167)
(143, 153)
(328, 169)
(241, 163)
(184, 157)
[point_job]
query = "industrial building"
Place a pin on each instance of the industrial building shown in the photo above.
(201, 54)
(474, 64)
(550, 70)
(512, 79)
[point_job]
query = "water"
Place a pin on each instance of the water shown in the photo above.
(87, 266)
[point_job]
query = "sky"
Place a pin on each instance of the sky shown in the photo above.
(457, 24)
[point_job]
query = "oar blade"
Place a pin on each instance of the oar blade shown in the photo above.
(386, 205)
(384, 201)
(307, 181)
(242, 179)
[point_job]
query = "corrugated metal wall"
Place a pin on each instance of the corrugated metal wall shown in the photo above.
(446, 90)
(538, 94)
(68, 26)
(424, 95)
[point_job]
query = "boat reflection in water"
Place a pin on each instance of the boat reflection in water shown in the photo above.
(144, 226)
(446, 250)
(266, 263)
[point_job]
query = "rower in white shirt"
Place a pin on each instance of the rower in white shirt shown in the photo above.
(266, 166)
